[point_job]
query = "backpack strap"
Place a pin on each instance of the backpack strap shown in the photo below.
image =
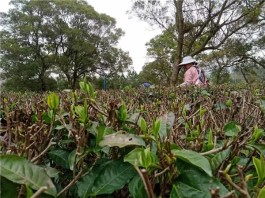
(201, 75)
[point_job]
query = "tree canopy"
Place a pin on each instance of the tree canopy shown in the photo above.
(69, 38)
(205, 27)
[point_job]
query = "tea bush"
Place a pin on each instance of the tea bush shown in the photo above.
(161, 142)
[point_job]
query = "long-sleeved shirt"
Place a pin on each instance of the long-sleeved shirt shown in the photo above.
(191, 77)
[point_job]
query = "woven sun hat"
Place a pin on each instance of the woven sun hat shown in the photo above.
(187, 59)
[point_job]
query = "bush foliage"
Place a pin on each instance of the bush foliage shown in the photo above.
(159, 142)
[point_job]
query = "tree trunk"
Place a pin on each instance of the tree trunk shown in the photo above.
(42, 81)
(180, 39)
(244, 76)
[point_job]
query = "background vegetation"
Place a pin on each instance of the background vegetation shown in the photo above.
(50, 45)
(134, 143)
(163, 141)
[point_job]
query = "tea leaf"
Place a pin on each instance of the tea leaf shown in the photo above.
(194, 158)
(141, 157)
(113, 177)
(232, 129)
(262, 193)
(121, 139)
(166, 123)
(21, 171)
(192, 182)
(6, 185)
(136, 187)
(260, 168)
(219, 158)
(60, 157)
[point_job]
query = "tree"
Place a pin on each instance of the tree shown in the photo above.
(69, 38)
(24, 52)
(202, 26)
(162, 50)
(238, 57)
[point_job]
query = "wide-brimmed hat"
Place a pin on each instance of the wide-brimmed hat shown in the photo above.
(187, 59)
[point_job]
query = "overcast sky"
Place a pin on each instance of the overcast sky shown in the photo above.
(137, 33)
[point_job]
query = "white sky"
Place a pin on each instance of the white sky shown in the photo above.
(137, 33)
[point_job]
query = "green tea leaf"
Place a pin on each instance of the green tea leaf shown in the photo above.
(141, 157)
(262, 193)
(121, 139)
(143, 125)
(53, 101)
(260, 168)
(21, 171)
(218, 158)
(166, 123)
(6, 185)
(113, 177)
(192, 182)
(194, 158)
(136, 187)
(85, 184)
(122, 113)
(232, 129)
(258, 147)
(60, 158)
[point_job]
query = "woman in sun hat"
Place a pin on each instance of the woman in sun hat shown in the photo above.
(193, 74)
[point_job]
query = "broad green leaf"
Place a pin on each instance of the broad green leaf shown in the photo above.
(74, 158)
(134, 156)
(143, 125)
(93, 127)
(84, 87)
(53, 100)
(232, 129)
(86, 182)
(175, 192)
(166, 123)
(136, 187)
(21, 171)
(262, 193)
(52, 172)
(6, 185)
(81, 111)
(146, 158)
(60, 158)
(194, 158)
(182, 190)
(218, 158)
(156, 128)
(122, 113)
(260, 168)
(141, 157)
(114, 176)
(192, 182)
(102, 131)
(257, 134)
(121, 139)
(29, 191)
(259, 147)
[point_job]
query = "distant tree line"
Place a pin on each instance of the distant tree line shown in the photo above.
(70, 40)
(67, 39)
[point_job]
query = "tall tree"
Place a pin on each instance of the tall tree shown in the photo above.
(162, 51)
(24, 53)
(65, 37)
(202, 25)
